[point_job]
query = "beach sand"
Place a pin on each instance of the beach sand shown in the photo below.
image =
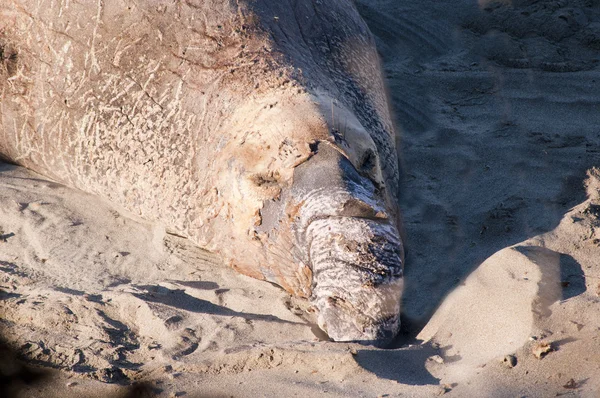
(498, 112)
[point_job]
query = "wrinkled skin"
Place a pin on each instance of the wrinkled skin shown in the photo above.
(258, 129)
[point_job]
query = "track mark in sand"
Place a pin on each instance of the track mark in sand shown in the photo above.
(187, 345)
(416, 32)
(521, 84)
(174, 322)
(117, 329)
(96, 298)
(556, 141)
(122, 341)
(411, 117)
(507, 36)
(220, 293)
(117, 281)
(181, 248)
(55, 357)
(12, 269)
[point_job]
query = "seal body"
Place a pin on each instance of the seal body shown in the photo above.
(258, 129)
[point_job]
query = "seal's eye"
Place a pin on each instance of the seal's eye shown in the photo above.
(265, 180)
(268, 184)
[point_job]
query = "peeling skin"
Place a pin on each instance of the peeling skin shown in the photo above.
(205, 116)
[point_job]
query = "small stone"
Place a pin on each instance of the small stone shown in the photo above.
(71, 384)
(437, 359)
(577, 325)
(510, 361)
(571, 384)
(444, 389)
(541, 349)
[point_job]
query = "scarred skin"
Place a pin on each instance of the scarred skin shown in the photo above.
(258, 129)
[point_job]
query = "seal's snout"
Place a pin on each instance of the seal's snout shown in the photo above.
(357, 278)
(340, 325)
(347, 230)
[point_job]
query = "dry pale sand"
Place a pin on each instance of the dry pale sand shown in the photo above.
(499, 107)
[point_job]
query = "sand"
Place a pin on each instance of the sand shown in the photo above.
(498, 108)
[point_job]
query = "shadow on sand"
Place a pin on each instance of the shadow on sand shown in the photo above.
(178, 298)
(405, 366)
(484, 166)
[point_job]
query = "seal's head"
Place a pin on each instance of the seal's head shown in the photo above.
(309, 208)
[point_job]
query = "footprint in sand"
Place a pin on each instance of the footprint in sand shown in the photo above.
(188, 343)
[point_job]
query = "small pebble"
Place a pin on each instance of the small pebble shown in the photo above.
(444, 389)
(510, 361)
(71, 384)
(437, 359)
(541, 349)
(577, 325)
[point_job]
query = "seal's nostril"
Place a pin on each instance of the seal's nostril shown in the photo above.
(357, 208)
(367, 163)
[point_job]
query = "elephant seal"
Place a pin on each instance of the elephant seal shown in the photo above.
(258, 129)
